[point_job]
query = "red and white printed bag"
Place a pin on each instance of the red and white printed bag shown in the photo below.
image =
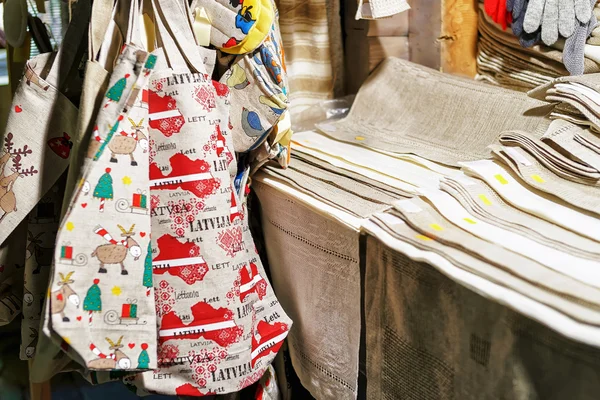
(219, 322)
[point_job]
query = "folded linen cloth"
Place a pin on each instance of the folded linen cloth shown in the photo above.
(493, 272)
(559, 163)
(570, 280)
(439, 117)
(481, 200)
(579, 92)
(335, 189)
(504, 182)
(531, 172)
(578, 143)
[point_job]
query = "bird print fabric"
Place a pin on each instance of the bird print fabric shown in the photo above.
(258, 87)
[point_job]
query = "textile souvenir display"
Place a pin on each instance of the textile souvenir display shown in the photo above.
(531, 207)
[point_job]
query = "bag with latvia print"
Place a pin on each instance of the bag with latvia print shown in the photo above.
(219, 323)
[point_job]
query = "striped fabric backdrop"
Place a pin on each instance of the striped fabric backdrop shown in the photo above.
(312, 41)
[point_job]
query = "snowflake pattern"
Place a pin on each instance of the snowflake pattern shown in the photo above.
(230, 240)
(167, 353)
(183, 213)
(163, 298)
(205, 96)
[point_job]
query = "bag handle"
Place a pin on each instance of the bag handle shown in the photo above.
(134, 35)
(103, 12)
(71, 46)
(174, 29)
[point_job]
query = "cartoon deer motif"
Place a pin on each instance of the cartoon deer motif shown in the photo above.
(116, 360)
(60, 296)
(30, 349)
(115, 252)
(43, 255)
(3, 161)
(8, 201)
(122, 143)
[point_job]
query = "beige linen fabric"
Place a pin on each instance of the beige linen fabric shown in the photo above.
(339, 191)
(481, 200)
(576, 142)
(311, 33)
(430, 223)
(491, 272)
(534, 174)
(300, 235)
(406, 95)
(444, 341)
(559, 163)
(537, 203)
(376, 185)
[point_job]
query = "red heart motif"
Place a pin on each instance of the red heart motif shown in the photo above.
(59, 296)
(131, 345)
(142, 234)
(18, 109)
(84, 205)
(78, 318)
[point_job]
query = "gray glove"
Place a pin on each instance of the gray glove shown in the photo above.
(573, 53)
(556, 16)
(518, 13)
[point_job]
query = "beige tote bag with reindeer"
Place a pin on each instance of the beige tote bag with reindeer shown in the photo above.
(34, 151)
(107, 29)
(103, 311)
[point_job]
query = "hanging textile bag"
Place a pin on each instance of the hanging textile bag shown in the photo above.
(42, 231)
(34, 151)
(104, 312)
(109, 28)
(258, 85)
(219, 323)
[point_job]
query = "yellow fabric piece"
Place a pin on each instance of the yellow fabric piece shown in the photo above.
(258, 33)
(201, 27)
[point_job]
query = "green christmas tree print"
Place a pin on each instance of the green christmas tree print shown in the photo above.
(93, 302)
(116, 91)
(147, 280)
(150, 62)
(144, 358)
(104, 188)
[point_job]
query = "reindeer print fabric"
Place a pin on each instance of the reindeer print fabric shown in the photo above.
(42, 225)
(36, 138)
(219, 323)
(101, 300)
